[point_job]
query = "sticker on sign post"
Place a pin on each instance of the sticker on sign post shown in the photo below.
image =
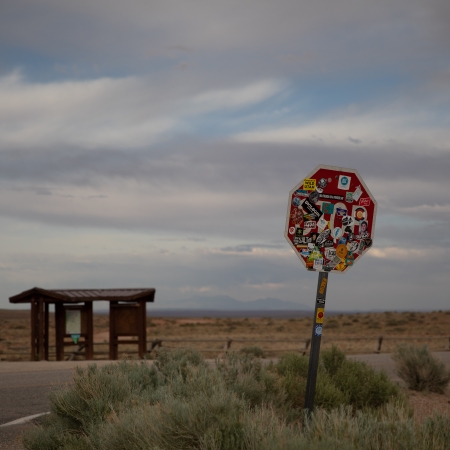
(319, 315)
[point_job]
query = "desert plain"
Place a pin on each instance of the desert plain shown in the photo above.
(354, 333)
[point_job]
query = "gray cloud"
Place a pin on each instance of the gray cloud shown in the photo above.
(341, 34)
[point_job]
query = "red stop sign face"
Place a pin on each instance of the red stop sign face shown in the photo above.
(331, 219)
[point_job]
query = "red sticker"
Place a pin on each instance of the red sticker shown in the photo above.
(364, 201)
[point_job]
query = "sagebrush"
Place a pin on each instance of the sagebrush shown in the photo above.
(182, 402)
(420, 370)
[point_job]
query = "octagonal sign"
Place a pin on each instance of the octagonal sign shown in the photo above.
(331, 219)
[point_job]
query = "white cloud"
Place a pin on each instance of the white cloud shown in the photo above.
(119, 113)
(377, 129)
(232, 98)
(419, 253)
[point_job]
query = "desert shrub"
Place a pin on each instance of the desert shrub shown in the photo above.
(255, 351)
(332, 359)
(170, 362)
(180, 422)
(182, 403)
(293, 363)
(363, 385)
(420, 369)
(360, 384)
(293, 370)
(339, 381)
(332, 323)
(78, 411)
(246, 377)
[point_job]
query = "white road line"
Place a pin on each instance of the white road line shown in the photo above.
(23, 420)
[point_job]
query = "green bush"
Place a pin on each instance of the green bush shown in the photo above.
(339, 381)
(293, 363)
(420, 369)
(363, 385)
(332, 360)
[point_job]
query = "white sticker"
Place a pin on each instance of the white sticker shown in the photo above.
(337, 233)
(330, 253)
(310, 224)
(357, 193)
(322, 223)
(318, 264)
(352, 246)
(344, 182)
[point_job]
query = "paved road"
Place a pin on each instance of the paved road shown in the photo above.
(24, 389)
(25, 394)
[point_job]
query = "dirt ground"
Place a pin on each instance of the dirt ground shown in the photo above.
(353, 333)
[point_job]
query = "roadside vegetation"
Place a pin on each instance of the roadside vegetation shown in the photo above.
(182, 402)
(420, 370)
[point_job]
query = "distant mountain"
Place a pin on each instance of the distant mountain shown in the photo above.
(226, 303)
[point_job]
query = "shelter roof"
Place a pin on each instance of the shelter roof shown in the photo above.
(84, 295)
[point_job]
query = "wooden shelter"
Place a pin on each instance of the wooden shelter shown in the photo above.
(74, 318)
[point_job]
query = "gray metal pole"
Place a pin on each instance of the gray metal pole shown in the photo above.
(315, 341)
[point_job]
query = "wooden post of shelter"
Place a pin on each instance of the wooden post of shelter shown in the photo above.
(89, 338)
(46, 329)
(41, 328)
(60, 330)
(33, 330)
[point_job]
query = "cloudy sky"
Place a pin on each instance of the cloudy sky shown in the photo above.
(154, 144)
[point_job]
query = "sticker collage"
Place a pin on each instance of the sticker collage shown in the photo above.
(331, 219)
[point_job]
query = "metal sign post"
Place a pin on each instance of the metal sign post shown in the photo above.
(330, 225)
(315, 341)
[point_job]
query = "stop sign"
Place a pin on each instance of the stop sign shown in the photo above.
(331, 219)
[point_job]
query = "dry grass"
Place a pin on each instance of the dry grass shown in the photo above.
(353, 333)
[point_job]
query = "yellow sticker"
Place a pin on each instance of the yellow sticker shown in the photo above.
(341, 266)
(309, 184)
(322, 286)
(320, 314)
(341, 251)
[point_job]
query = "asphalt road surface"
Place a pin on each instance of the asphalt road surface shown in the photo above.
(24, 389)
(25, 394)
